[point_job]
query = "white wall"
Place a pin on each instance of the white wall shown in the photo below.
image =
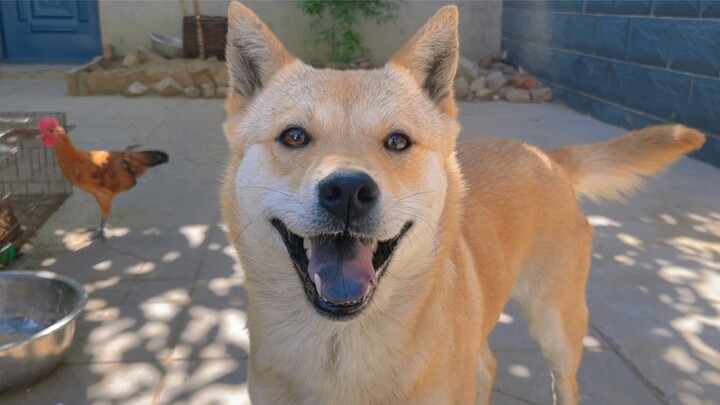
(126, 24)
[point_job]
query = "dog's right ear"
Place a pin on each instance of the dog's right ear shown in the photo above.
(254, 55)
(431, 56)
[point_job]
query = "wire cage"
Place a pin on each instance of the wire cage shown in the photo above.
(32, 187)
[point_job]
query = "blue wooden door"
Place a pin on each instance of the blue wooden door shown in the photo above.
(50, 31)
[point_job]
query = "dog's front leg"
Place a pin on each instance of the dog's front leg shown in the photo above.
(485, 375)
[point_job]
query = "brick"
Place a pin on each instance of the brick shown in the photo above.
(677, 8)
(524, 4)
(581, 33)
(516, 23)
(568, 66)
(638, 121)
(650, 41)
(710, 9)
(576, 101)
(559, 30)
(71, 79)
(625, 85)
(696, 47)
(539, 61)
(600, 6)
(592, 75)
(567, 6)
(633, 7)
(704, 105)
(608, 113)
(665, 91)
(611, 37)
(106, 82)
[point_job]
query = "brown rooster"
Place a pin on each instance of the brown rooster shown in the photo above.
(101, 173)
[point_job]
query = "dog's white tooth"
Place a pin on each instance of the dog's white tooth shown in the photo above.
(308, 253)
(307, 244)
(374, 246)
(318, 284)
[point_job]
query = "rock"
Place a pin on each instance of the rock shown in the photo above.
(486, 61)
(147, 56)
(192, 92)
(132, 60)
(156, 73)
(495, 81)
(462, 88)
(183, 77)
(486, 95)
(478, 85)
(484, 72)
(208, 90)
(509, 70)
(136, 75)
(498, 66)
(501, 93)
(106, 81)
(221, 78)
(136, 89)
(73, 79)
(517, 96)
(202, 76)
(542, 95)
(467, 70)
(109, 52)
(221, 92)
(523, 80)
(168, 87)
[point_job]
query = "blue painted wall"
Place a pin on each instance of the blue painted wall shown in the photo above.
(626, 62)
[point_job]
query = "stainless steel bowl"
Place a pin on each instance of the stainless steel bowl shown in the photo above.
(37, 324)
(169, 47)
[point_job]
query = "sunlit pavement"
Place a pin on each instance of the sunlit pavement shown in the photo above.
(165, 320)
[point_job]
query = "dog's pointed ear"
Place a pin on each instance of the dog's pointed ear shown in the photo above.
(254, 54)
(431, 56)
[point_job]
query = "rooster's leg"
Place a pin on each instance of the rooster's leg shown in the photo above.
(105, 203)
(101, 232)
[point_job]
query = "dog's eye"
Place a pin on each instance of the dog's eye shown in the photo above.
(294, 137)
(397, 142)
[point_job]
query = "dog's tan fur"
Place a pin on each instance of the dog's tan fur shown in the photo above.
(496, 220)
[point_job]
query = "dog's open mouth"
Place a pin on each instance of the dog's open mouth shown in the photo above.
(339, 271)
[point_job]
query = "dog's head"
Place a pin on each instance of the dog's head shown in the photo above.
(338, 179)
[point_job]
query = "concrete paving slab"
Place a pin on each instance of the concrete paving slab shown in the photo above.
(603, 379)
(128, 333)
(500, 398)
(215, 330)
(92, 384)
(205, 382)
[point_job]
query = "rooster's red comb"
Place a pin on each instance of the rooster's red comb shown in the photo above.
(47, 123)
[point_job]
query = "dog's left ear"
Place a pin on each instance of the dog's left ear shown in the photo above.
(254, 53)
(431, 55)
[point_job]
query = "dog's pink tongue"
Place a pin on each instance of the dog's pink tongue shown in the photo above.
(344, 267)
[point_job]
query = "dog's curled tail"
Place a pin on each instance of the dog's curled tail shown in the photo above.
(614, 168)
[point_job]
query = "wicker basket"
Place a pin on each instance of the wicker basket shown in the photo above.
(214, 31)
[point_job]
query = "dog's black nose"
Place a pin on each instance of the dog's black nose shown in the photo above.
(348, 195)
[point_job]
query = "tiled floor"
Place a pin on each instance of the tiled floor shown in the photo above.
(166, 319)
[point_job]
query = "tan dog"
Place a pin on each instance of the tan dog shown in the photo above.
(377, 258)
